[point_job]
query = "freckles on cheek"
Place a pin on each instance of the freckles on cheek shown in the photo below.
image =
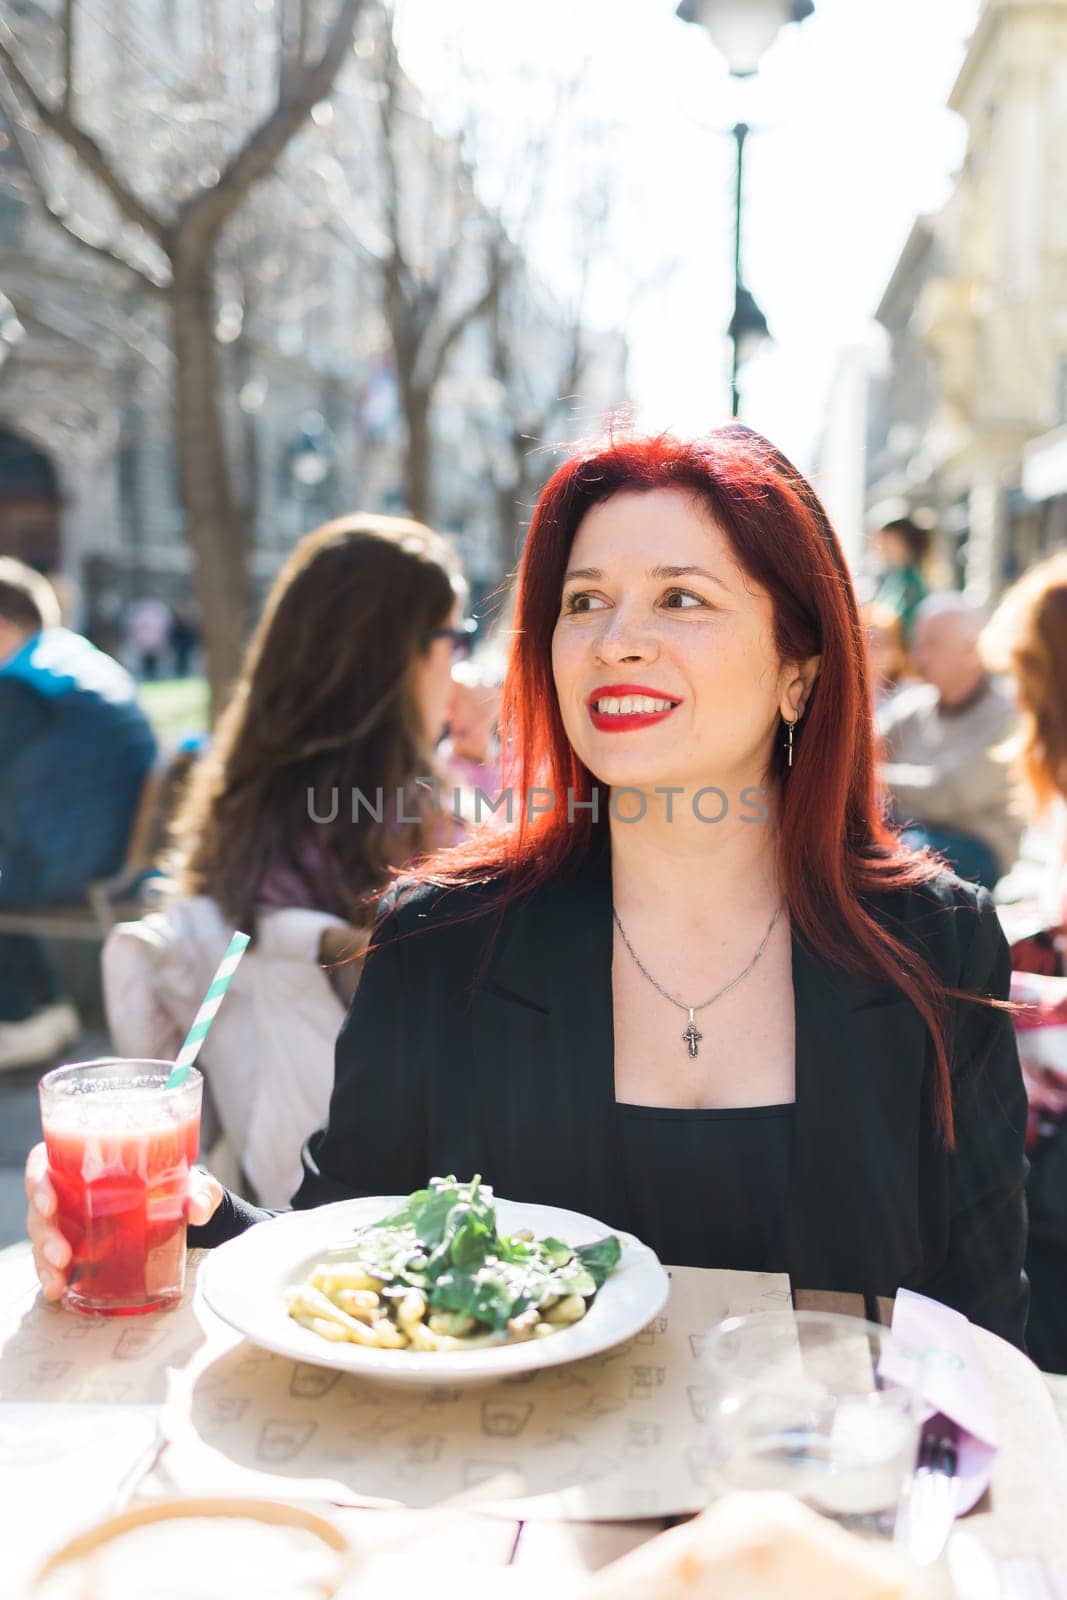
(756, 662)
(564, 665)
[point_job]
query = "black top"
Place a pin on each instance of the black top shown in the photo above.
(478, 1043)
(702, 1188)
(708, 1188)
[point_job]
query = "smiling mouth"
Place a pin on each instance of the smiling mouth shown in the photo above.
(632, 705)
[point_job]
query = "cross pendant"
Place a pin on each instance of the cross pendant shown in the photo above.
(692, 1034)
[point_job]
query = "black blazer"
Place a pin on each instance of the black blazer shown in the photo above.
(461, 1055)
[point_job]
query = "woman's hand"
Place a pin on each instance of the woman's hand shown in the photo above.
(51, 1252)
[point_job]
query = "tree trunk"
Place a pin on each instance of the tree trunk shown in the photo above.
(515, 503)
(216, 529)
(509, 516)
(418, 465)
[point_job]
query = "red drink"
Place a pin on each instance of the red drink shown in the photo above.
(120, 1147)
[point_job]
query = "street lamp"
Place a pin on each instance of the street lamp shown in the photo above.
(742, 31)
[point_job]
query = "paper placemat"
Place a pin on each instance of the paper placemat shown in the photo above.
(51, 1355)
(618, 1435)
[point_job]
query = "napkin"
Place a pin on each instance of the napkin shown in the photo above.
(937, 1355)
(62, 1468)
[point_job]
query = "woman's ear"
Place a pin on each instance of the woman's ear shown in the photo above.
(799, 687)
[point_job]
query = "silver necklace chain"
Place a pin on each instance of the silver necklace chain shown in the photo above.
(692, 1035)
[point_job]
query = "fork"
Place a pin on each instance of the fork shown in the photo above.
(930, 1509)
(138, 1471)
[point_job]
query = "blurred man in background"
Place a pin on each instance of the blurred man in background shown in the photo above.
(75, 749)
(943, 766)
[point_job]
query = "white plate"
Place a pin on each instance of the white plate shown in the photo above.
(244, 1282)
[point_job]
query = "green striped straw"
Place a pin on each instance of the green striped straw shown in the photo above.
(208, 1007)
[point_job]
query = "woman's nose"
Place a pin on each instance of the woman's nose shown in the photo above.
(626, 639)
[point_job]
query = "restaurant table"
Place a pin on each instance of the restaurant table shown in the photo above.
(178, 1403)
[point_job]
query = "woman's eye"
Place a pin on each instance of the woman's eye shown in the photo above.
(584, 602)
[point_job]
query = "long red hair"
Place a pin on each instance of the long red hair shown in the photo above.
(834, 841)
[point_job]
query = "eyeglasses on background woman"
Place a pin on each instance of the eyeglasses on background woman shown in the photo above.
(462, 637)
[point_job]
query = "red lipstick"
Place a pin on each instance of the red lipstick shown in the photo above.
(624, 722)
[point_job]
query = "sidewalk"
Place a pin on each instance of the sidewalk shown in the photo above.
(20, 1127)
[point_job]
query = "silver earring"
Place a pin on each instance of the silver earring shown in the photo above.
(789, 747)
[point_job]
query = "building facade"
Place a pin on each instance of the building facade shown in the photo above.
(976, 314)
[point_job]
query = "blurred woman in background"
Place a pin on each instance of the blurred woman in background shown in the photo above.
(470, 753)
(1027, 638)
(290, 825)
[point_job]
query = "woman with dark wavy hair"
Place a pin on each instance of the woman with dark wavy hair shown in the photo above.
(696, 989)
(344, 688)
(343, 694)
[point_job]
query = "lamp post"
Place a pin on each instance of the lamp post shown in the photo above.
(748, 326)
(742, 31)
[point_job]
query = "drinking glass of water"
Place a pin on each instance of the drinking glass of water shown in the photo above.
(794, 1401)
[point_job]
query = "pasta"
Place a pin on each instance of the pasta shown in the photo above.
(436, 1275)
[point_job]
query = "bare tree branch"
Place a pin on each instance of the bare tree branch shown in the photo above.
(68, 57)
(205, 215)
(104, 251)
(82, 143)
(289, 45)
(294, 33)
(55, 214)
(410, 307)
(457, 326)
(91, 328)
(349, 218)
(387, 110)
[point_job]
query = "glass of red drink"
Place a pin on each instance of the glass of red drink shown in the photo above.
(120, 1146)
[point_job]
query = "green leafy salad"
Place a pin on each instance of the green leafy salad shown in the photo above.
(436, 1275)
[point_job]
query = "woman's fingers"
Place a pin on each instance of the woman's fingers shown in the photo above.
(51, 1252)
(39, 1190)
(52, 1283)
(36, 1164)
(55, 1249)
(41, 1228)
(51, 1255)
(204, 1196)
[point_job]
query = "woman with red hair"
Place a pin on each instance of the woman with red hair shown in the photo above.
(696, 988)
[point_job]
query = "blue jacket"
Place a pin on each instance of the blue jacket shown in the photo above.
(75, 748)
